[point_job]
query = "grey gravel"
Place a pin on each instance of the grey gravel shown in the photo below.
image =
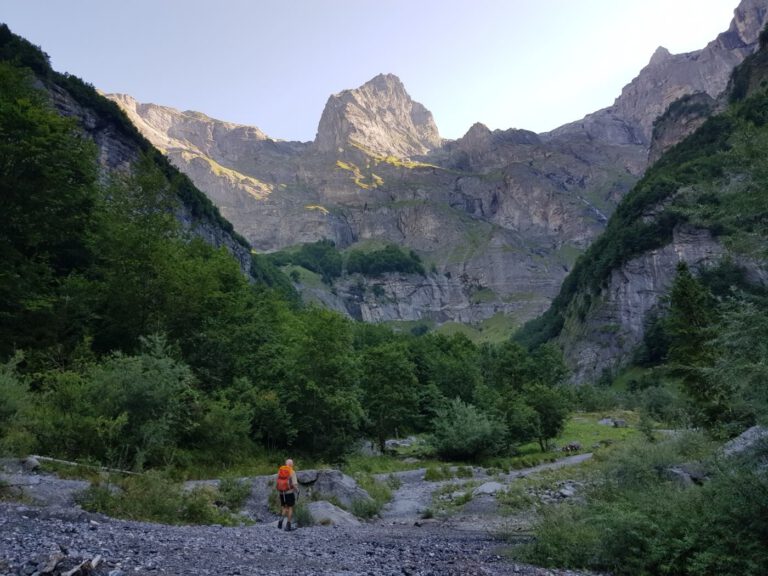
(30, 536)
(53, 536)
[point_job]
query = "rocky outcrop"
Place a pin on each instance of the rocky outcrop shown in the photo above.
(681, 119)
(379, 116)
(614, 324)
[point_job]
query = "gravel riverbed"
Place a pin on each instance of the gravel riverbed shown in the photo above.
(32, 537)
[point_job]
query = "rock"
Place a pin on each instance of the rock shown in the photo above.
(746, 441)
(678, 476)
(30, 464)
(326, 514)
(605, 421)
(619, 423)
(572, 447)
(393, 444)
(568, 491)
(53, 561)
(321, 484)
(632, 292)
(489, 488)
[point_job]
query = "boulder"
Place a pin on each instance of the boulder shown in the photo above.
(30, 464)
(572, 447)
(331, 484)
(684, 475)
(746, 441)
(326, 514)
(488, 488)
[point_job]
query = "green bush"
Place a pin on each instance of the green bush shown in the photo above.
(15, 411)
(234, 492)
(389, 259)
(435, 474)
(365, 508)
(302, 516)
(638, 522)
(462, 432)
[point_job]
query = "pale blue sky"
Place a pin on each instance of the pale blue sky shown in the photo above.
(533, 64)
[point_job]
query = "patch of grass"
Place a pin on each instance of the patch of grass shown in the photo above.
(381, 492)
(302, 516)
(497, 328)
(9, 493)
(452, 496)
(464, 472)
(155, 498)
(394, 482)
(261, 464)
(437, 474)
(515, 498)
(234, 493)
(365, 508)
(91, 473)
(484, 295)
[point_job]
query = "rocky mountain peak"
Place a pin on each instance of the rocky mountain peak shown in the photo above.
(669, 77)
(381, 117)
(748, 20)
(659, 56)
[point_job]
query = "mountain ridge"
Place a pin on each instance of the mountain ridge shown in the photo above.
(505, 210)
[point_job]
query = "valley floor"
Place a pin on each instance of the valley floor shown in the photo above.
(30, 537)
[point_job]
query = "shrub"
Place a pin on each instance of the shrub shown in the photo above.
(302, 516)
(434, 474)
(233, 493)
(365, 508)
(155, 498)
(462, 432)
(638, 523)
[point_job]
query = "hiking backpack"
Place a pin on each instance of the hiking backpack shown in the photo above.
(284, 478)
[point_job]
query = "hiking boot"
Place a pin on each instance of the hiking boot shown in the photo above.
(280, 524)
(288, 527)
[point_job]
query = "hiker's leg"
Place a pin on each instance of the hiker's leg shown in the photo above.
(290, 513)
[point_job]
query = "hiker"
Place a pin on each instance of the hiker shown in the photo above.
(288, 490)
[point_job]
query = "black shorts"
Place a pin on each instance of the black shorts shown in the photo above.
(287, 499)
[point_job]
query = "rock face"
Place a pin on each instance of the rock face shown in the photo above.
(614, 325)
(498, 217)
(681, 119)
(118, 151)
(379, 116)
